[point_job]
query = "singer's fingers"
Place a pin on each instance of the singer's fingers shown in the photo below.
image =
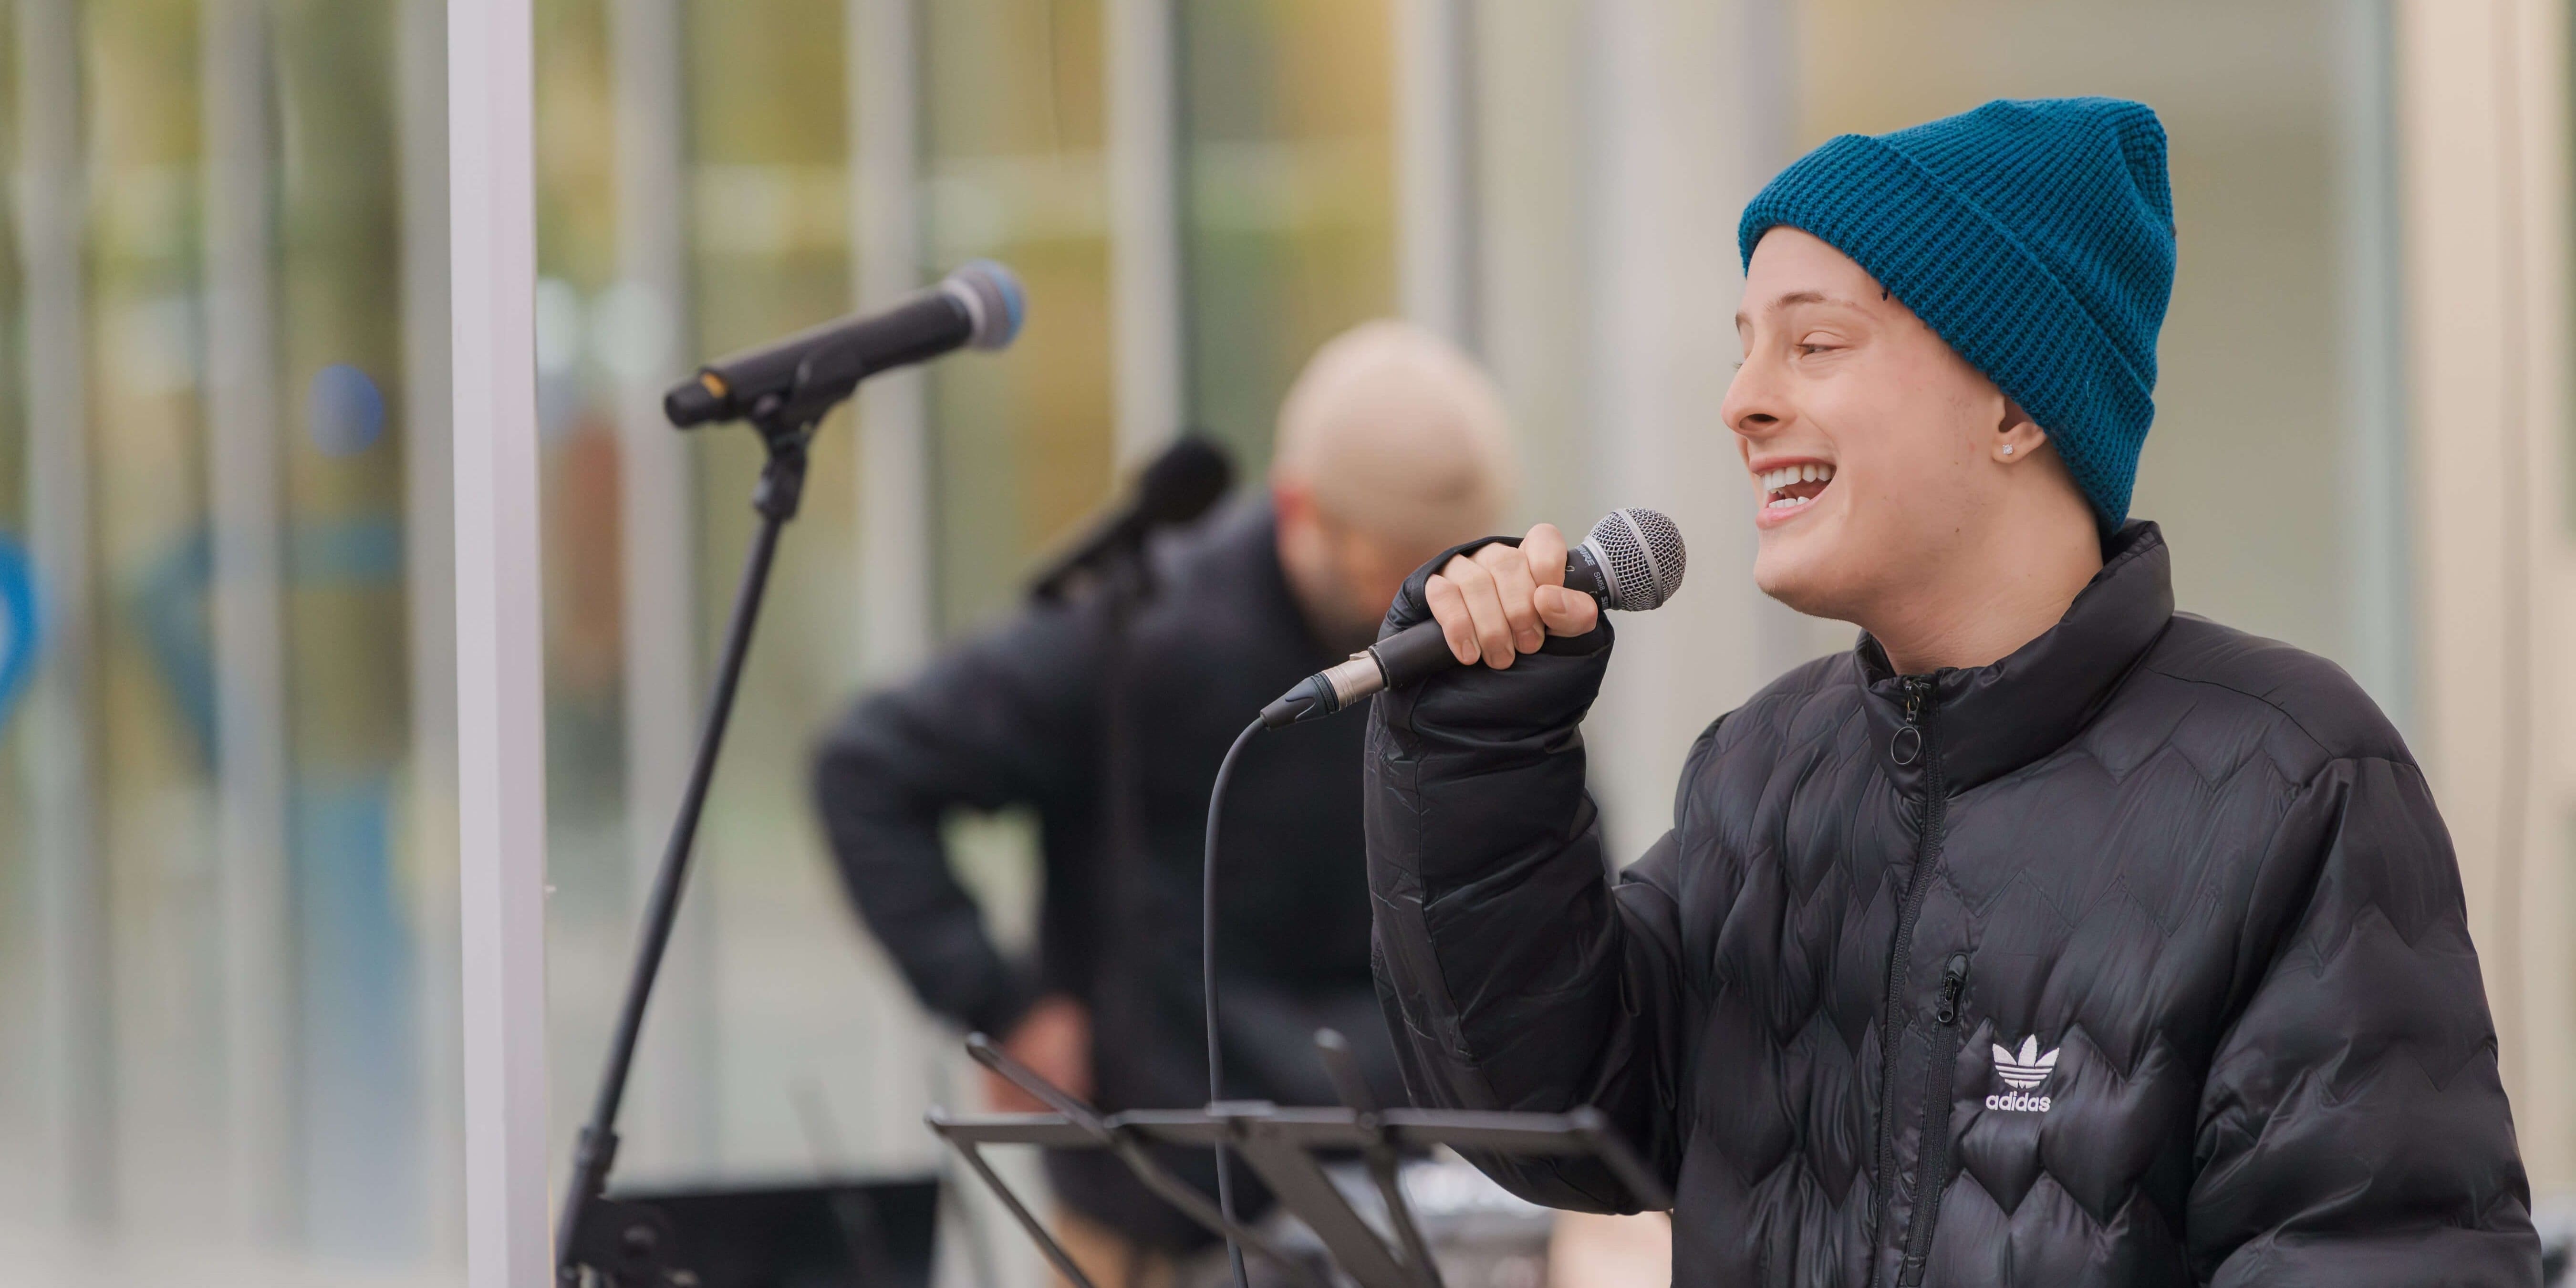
(1566, 612)
(1449, 608)
(1485, 606)
(1493, 626)
(1513, 584)
(1543, 553)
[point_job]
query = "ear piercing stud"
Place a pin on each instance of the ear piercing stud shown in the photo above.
(2008, 449)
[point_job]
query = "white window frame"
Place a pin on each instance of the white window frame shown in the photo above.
(500, 624)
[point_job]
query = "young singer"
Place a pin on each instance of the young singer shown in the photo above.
(2049, 937)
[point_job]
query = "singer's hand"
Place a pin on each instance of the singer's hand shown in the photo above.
(1502, 601)
(1054, 1039)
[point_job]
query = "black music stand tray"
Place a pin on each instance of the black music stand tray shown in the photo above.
(833, 1234)
(1281, 1146)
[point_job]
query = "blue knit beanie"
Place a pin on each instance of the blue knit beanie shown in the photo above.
(2036, 237)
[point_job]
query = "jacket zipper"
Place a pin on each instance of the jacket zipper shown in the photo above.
(1918, 723)
(1932, 1169)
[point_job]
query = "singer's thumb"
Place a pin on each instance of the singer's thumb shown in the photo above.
(1565, 612)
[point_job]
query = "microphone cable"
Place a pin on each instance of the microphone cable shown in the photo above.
(1207, 979)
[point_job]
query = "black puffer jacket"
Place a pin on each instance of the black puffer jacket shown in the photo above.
(2137, 957)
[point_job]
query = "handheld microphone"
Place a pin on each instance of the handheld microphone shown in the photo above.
(1632, 561)
(795, 380)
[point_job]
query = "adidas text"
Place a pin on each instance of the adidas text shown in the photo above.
(2018, 1102)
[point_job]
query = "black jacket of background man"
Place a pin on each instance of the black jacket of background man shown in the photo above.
(1019, 716)
(2137, 957)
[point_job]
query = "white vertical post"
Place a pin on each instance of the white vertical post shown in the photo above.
(674, 1068)
(1435, 166)
(1763, 72)
(1533, 284)
(2483, 137)
(73, 1021)
(2545, 119)
(500, 678)
(429, 594)
(1149, 386)
(1676, 168)
(896, 601)
(242, 468)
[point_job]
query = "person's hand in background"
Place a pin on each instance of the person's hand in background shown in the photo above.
(1054, 1039)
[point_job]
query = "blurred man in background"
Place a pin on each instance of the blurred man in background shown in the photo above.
(1391, 446)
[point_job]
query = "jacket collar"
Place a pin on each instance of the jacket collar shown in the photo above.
(1991, 720)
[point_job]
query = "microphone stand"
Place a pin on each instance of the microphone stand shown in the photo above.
(625, 1243)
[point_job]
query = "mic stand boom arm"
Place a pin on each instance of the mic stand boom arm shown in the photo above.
(629, 1255)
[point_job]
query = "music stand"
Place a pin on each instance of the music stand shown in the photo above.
(1280, 1145)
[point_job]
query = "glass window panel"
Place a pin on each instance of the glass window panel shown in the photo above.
(228, 1040)
(19, 1010)
(806, 1016)
(1287, 177)
(340, 371)
(590, 911)
(1013, 171)
(17, 648)
(802, 1053)
(154, 739)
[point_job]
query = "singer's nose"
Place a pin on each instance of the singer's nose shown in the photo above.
(1754, 405)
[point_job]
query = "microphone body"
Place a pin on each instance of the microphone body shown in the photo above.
(797, 378)
(1632, 561)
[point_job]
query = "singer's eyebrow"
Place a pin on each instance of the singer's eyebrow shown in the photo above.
(1796, 297)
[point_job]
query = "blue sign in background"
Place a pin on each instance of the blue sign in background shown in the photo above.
(19, 629)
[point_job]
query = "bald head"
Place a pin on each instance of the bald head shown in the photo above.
(1399, 435)
(1392, 447)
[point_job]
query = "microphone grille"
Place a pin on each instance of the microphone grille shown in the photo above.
(993, 297)
(1641, 551)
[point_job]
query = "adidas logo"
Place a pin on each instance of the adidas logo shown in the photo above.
(2026, 1070)
(2022, 1071)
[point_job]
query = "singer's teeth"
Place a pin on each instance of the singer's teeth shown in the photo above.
(1791, 486)
(1786, 475)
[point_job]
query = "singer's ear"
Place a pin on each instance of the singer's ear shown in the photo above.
(2018, 437)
